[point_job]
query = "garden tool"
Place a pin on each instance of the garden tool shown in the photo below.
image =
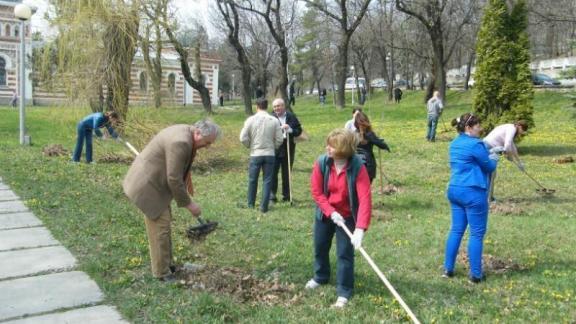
(542, 190)
(289, 167)
(195, 233)
(382, 277)
(446, 130)
(380, 172)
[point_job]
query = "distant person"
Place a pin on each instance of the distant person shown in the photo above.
(160, 174)
(362, 95)
(291, 94)
(14, 99)
(89, 124)
(323, 96)
(262, 134)
(350, 125)
(470, 168)
(368, 139)
(259, 92)
(221, 98)
(504, 136)
(291, 129)
(397, 95)
(341, 189)
(434, 107)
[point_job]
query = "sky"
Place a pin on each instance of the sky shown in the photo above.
(186, 10)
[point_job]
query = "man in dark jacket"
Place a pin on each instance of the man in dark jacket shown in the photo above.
(291, 129)
(397, 95)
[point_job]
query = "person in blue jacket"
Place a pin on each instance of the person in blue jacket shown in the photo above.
(470, 165)
(89, 124)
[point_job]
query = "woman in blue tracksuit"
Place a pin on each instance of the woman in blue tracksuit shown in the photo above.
(91, 123)
(471, 165)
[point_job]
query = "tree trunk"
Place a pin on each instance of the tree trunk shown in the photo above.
(283, 84)
(246, 90)
(469, 69)
(341, 70)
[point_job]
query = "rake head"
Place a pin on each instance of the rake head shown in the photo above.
(199, 232)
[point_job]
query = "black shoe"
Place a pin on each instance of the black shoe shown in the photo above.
(173, 268)
(448, 274)
(170, 278)
(476, 280)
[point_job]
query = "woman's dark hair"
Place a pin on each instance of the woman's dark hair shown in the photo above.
(356, 109)
(523, 124)
(468, 119)
(362, 124)
(112, 114)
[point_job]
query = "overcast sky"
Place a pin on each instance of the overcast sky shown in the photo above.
(186, 10)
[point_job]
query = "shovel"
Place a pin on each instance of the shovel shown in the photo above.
(195, 233)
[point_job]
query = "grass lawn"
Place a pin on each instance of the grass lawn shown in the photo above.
(532, 272)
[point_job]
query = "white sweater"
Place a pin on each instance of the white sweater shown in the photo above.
(503, 135)
(262, 134)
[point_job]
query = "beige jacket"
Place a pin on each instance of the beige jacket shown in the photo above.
(157, 175)
(262, 134)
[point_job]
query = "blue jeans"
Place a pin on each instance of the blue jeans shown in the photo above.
(266, 163)
(432, 123)
(469, 207)
(323, 233)
(83, 134)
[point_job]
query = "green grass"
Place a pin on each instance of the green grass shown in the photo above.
(84, 207)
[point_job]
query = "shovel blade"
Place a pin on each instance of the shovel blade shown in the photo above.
(199, 232)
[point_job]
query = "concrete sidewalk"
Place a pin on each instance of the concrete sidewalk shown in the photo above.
(38, 283)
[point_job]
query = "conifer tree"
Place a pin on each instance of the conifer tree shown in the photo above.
(503, 84)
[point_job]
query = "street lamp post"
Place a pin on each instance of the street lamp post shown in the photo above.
(23, 13)
(233, 89)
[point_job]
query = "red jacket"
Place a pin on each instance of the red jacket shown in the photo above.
(338, 199)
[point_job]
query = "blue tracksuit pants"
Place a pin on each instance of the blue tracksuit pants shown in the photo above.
(469, 207)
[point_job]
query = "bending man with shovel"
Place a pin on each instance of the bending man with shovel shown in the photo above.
(160, 173)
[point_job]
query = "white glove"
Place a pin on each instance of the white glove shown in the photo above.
(494, 156)
(357, 237)
(520, 166)
(337, 218)
(497, 150)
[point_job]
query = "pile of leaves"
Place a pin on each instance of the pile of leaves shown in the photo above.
(492, 264)
(54, 150)
(506, 208)
(244, 287)
(114, 158)
(562, 160)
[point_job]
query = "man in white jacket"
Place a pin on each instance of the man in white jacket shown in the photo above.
(503, 136)
(262, 134)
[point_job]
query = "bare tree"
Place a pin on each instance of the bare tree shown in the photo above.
(229, 13)
(341, 13)
(443, 20)
(197, 84)
(271, 12)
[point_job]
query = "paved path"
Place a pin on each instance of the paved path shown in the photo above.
(38, 283)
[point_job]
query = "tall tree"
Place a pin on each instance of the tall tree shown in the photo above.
(441, 18)
(196, 83)
(347, 14)
(271, 11)
(153, 11)
(503, 83)
(96, 45)
(229, 13)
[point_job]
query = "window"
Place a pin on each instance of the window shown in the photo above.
(2, 71)
(7, 31)
(16, 31)
(172, 83)
(143, 82)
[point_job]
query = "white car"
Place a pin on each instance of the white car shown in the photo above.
(351, 83)
(378, 83)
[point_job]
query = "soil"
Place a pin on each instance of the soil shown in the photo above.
(112, 158)
(240, 285)
(562, 160)
(506, 208)
(391, 189)
(492, 264)
(54, 150)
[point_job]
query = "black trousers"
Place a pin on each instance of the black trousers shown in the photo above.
(282, 163)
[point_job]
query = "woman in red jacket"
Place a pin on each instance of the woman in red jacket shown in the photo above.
(340, 187)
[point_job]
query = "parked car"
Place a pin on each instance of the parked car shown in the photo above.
(378, 83)
(351, 83)
(543, 79)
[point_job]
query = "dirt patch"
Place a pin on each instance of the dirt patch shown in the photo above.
(241, 285)
(565, 159)
(492, 264)
(389, 189)
(54, 150)
(506, 208)
(112, 158)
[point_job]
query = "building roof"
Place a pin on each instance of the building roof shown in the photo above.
(11, 3)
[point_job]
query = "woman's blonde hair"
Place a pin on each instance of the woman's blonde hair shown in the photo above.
(343, 141)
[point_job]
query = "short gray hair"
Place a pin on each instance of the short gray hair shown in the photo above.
(277, 101)
(207, 127)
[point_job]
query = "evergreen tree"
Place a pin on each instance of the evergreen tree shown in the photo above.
(503, 84)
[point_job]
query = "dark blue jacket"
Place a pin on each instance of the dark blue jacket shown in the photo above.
(95, 121)
(469, 162)
(294, 123)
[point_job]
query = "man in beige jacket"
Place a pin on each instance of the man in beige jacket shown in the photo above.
(159, 174)
(262, 134)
